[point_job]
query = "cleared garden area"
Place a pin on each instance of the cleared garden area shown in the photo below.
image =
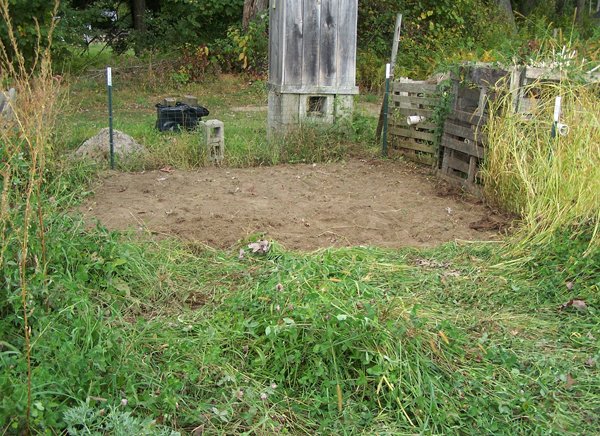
(359, 202)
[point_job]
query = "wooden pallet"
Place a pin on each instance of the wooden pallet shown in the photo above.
(463, 149)
(416, 142)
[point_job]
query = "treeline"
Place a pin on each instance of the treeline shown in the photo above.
(233, 33)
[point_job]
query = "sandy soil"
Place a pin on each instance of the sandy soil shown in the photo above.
(303, 207)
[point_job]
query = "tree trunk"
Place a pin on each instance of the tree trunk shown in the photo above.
(580, 11)
(251, 9)
(138, 8)
(505, 6)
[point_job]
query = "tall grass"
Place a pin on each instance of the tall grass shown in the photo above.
(25, 138)
(552, 183)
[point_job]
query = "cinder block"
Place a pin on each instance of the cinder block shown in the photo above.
(169, 101)
(190, 100)
(214, 139)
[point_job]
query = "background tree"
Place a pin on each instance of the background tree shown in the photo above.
(251, 9)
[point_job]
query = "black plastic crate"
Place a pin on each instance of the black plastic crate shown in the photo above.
(178, 117)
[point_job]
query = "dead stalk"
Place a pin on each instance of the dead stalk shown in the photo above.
(26, 134)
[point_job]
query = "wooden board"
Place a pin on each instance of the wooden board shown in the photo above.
(409, 144)
(328, 52)
(407, 132)
(293, 42)
(414, 87)
(463, 149)
(311, 47)
(347, 43)
(428, 102)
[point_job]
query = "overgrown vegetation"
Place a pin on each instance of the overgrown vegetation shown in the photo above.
(103, 333)
(552, 183)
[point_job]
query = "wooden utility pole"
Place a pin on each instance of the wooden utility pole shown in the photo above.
(395, 44)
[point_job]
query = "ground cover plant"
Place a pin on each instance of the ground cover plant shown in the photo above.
(105, 333)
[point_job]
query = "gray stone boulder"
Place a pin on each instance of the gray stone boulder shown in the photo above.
(97, 148)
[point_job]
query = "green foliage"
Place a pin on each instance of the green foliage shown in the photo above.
(26, 16)
(84, 420)
(181, 22)
(424, 341)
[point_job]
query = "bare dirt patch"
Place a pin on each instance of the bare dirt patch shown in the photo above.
(303, 207)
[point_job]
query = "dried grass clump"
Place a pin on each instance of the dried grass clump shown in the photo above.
(552, 183)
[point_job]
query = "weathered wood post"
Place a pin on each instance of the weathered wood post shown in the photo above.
(312, 62)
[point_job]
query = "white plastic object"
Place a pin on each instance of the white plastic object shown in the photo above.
(411, 120)
(557, 107)
(562, 129)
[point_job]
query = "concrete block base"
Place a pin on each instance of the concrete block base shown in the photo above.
(288, 111)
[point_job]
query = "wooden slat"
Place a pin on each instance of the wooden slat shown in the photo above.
(348, 13)
(468, 117)
(472, 149)
(533, 73)
(327, 55)
(293, 42)
(399, 121)
(405, 105)
(463, 132)
(420, 88)
(407, 111)
(310, 48)
(472, 133)
(411, 133)
(411, 144)
(458, 164)
(275, 43)
(426, 101)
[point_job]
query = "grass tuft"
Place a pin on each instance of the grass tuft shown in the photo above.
(552, 183)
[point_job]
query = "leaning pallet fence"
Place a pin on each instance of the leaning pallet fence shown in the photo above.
(412, 130)
(463, 149)
(458, 157)
(463, 144)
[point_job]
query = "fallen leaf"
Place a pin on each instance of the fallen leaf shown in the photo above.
(576, 303)
(591, 362)
(260, 247)
(570, 285)
(579, 305)
(242, 254)
(167, 169)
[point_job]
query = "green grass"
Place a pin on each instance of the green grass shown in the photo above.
(449, 340)
(226, 97)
